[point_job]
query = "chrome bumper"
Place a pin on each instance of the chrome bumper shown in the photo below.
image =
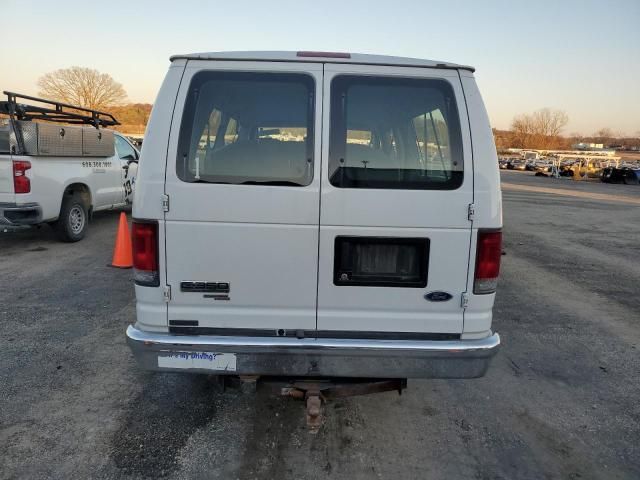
(283, 356)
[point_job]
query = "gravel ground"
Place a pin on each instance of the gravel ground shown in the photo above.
(559, 401)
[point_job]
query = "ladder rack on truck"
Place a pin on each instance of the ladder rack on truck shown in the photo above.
(29, 136)
(80, 115)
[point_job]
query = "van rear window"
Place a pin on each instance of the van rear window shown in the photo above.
(247, 128)
(394, 133)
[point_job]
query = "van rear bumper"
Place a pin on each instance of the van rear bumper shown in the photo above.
(310, 357)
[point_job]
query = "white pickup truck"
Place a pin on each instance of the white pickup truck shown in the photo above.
(61, 174)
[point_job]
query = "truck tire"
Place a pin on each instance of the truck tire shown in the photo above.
(72, 223)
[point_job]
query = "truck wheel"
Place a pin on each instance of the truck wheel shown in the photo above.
(72, 224)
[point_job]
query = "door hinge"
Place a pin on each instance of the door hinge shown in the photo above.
(165, 202)
(471, 212)
(166, 293)
(464, 300)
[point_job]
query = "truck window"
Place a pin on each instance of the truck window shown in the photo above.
(247, 128)
(394, 133)
(123, 149)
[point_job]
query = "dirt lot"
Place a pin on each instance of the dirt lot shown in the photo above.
(560, 400)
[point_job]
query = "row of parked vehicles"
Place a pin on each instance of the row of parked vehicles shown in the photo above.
(607, 171)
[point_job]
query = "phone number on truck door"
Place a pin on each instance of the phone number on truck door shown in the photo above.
(97, 164)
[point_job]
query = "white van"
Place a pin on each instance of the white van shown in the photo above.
(317, 214)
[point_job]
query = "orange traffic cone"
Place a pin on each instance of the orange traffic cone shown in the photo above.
(123, 253)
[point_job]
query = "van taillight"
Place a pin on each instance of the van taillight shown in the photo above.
(488, 253)
(21, 183)
(145, 253)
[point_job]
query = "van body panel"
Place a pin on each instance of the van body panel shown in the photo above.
(151, 308)
(389, 309)
(246, 204)
(271, 270)
(147, 202)
(486, 176)
(438, 215)
(487, 199)
(262, 240)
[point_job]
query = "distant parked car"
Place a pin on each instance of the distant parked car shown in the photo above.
(566, 171)
(626, 175)
(543, 168)
(517, 164)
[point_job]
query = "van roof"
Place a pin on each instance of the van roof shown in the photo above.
(321, 57)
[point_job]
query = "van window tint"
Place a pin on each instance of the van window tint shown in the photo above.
(248, 128)
(397, 133)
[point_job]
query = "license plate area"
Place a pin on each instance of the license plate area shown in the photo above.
(381, 261)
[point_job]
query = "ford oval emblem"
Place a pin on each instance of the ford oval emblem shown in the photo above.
(438, 296)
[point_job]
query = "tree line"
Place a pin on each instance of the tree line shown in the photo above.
(543, 130)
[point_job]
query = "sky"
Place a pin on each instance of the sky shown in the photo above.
(580, 56)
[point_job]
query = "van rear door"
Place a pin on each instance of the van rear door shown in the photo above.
(397, 182)
(242, 225)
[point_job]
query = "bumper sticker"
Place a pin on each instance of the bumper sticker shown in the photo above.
(202, 360)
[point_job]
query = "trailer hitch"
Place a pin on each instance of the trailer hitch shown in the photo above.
(317, 392)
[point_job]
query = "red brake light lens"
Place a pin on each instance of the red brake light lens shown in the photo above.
(145, 253)
(21, 183)
(488, 253)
